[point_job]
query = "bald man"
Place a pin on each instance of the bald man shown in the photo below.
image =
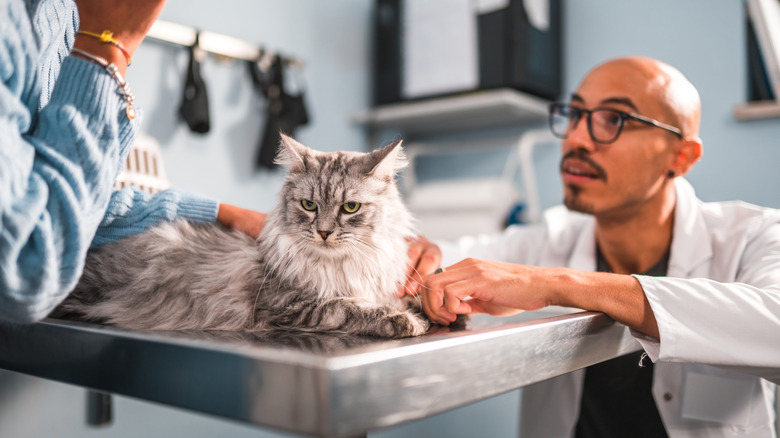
(698, 283)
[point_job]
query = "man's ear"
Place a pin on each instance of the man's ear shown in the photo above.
(688, 153)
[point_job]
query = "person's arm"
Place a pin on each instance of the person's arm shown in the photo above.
(247, 221)
(127, 21)
(733, 324)
(497, 288)
(57, 166)
(132, 211)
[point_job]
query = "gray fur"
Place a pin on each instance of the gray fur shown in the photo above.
(183, 275)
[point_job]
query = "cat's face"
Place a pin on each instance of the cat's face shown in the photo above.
(337, 203)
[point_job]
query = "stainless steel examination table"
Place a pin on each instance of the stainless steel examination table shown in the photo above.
(316, 384)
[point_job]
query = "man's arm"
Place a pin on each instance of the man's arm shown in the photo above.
(496, 288)
(735, 325)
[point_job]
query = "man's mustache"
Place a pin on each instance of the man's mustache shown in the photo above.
(579, 154)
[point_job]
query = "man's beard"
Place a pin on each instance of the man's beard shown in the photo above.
(571, 197)
(574, 202)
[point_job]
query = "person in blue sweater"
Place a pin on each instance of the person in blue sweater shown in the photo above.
(67, 121)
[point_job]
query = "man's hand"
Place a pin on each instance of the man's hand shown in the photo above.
(478, 286)
(248, 221)
(424, 258)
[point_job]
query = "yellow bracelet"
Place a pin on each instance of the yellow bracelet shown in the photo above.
(111, 69)
(108, 37)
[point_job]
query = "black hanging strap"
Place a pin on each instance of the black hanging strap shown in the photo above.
(285, 112)
(194, 108)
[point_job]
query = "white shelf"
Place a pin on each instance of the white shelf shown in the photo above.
(475, 110)
(767, 109)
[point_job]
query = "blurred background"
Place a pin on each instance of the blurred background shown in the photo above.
(463, 146)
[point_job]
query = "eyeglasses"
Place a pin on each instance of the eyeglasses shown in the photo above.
(604, 124)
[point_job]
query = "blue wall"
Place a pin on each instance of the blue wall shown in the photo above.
(703, 38)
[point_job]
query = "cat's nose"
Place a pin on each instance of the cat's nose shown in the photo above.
(324, 234)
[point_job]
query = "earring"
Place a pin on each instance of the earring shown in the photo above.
(670, 174)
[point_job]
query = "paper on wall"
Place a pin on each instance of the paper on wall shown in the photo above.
(439, 47)
(538, 12)
(487, 6)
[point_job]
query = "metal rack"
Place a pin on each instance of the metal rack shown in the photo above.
(221, 45)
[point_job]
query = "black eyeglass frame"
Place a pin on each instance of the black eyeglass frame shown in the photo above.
(623, 117)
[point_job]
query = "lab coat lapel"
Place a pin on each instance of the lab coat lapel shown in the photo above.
(691, 245)
(584, 255)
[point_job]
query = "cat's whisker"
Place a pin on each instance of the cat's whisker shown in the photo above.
(410, 277)
(413, 279)
(278, 234)
(257, 297)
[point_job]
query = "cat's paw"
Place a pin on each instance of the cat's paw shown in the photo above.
(406, 324)
(460, 322)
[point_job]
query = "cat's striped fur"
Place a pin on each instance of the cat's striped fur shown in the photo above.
(183, 275)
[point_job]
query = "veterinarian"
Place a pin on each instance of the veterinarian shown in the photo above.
(67, 120)
(697, 283)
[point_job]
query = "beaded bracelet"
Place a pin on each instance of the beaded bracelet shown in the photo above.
(108, 37)
(113, 70)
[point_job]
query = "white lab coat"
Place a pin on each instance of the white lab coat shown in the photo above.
(719, 304)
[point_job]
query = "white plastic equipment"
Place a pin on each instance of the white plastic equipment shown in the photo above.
(144, 167)
(447, 209)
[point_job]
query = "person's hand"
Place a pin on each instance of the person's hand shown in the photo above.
(424, 258)
(247, 221)
(478, 286)
(129, 21)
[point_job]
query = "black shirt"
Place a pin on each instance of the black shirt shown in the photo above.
(616, 397)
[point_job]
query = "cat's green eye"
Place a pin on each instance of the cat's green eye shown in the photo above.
(351, 207)
(308, 205)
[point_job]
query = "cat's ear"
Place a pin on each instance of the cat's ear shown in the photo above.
(291, 154)
(385, 162)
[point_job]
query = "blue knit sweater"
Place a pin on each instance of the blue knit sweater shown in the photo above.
(64, 136)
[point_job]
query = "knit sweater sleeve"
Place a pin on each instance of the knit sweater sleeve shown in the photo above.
(57, 166)
(132, 211)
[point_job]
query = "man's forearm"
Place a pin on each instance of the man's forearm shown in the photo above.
(619, 296)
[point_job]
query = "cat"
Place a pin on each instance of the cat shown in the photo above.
(330, 258)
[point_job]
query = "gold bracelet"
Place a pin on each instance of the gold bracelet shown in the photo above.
(108, 37)
(113, 70)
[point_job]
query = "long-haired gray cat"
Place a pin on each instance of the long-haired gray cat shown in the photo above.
(331, 257)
